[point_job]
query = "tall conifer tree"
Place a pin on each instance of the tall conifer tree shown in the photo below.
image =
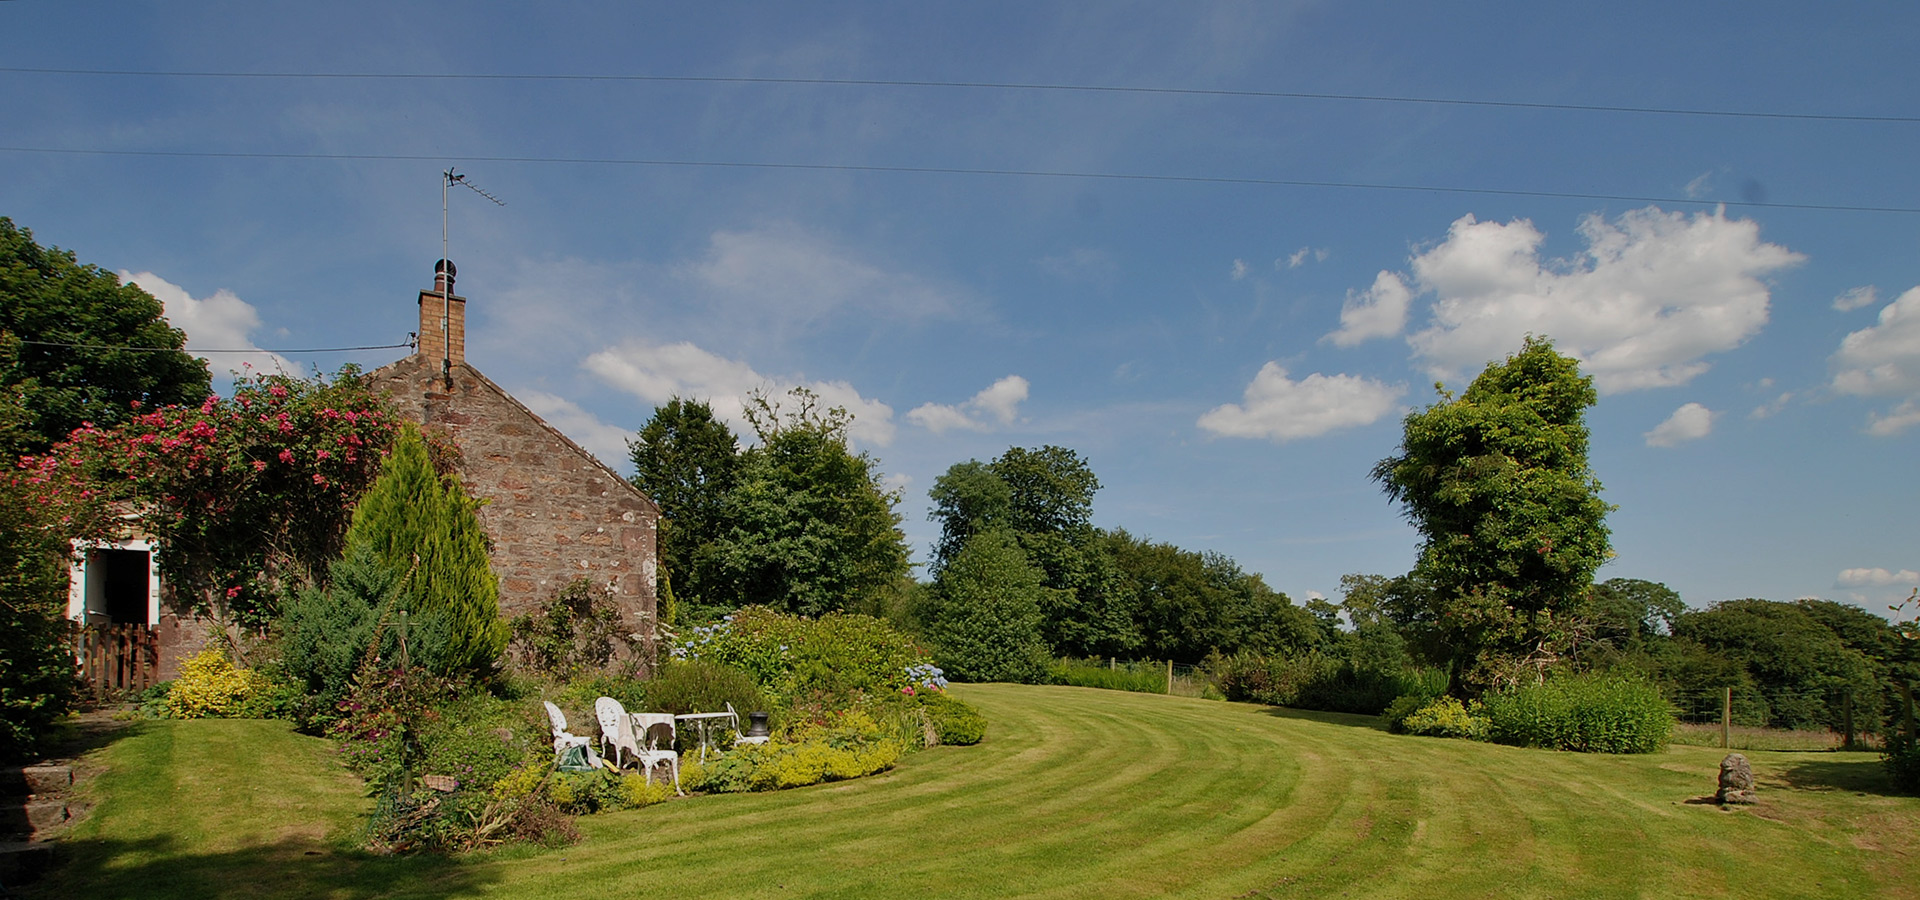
(420, 523)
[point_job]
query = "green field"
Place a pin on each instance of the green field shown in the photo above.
(1075, 793)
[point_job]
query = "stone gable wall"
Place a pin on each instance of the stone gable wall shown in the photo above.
(553, 512)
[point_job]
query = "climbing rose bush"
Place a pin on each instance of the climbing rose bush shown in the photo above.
(238, 491)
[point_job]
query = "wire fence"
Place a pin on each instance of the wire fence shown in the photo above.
(1751, 718)
(1153, 676)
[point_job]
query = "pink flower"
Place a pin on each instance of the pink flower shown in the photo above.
(259, 465)
(286, 456)
(277, 391)
(233, 592)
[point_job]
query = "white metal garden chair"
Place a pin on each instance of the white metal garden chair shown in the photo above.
(617, 738)
(564, 739)
(658, 735)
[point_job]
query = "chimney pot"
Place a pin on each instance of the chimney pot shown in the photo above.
(443, 318)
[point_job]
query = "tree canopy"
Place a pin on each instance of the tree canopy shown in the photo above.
(809, 528)
(1498, 485)
(47, 295)
(688, 462)
(983, 614)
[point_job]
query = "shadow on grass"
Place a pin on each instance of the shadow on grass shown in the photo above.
(1352, 720)
(1864, 776)
(87, 732)
(159, 868)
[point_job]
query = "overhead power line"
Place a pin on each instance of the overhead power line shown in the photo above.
(987, 85)
(193, 350)
(943, 170)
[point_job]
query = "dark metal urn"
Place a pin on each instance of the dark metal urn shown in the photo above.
(757, 724)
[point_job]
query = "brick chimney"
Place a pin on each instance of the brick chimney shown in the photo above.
(443, 318)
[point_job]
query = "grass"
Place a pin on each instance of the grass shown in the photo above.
(1075, 793)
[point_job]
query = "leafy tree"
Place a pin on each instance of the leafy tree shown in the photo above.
(36, 666)
(1187, 605)
(688, 462)
(1798, 665)
(46, 295)
(423, 525)
(810, 529)
(1497, 483)
(970, 498)
(241, 494)
(1044, 497)
(984, 612)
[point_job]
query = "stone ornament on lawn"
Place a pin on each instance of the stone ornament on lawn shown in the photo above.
(1736, 780)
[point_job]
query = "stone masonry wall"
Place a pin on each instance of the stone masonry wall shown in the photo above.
(553, 512)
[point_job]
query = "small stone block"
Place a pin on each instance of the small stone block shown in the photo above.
(44, 814)
(445, 784)
(47, 779)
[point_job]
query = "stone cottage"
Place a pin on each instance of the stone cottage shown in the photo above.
(554, 513)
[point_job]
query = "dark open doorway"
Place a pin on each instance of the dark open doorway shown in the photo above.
(118, 583)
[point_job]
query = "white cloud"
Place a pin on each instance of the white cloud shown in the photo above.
(1000, 401)
(1082, 264)
(790, 273)
(1884, 360)
(220, 322)
(1771, 407)
(659, 373)
(1690, 422)
(1855, 298)
(607, 442)
(1903, 417)
(1876, 577)
(1239, 269)
(1698, 187)
(1379, 312)
(1299, 257)
(1281, 409)
(1652, 294)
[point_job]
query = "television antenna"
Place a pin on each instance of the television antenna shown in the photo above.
(444, 270)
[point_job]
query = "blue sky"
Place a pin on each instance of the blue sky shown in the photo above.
(1231, 356)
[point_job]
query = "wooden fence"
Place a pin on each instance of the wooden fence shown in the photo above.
(113, 658)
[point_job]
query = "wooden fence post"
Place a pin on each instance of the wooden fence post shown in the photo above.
(1726, 720)
(1849, 721)
(1169, 676)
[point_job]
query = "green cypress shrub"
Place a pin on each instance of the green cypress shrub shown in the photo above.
(423, 526)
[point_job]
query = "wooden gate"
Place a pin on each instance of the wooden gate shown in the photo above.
(113, 658)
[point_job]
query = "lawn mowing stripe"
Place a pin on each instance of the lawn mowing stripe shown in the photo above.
(1086, 793)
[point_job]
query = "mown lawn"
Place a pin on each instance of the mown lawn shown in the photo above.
(1076, 793)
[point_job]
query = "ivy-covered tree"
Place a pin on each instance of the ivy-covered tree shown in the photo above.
(1513, 527)
(422, 525)
(983, 613)
(65, 334)
(688, 462)
(810, 530)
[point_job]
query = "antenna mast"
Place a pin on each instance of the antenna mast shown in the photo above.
(444, 273)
